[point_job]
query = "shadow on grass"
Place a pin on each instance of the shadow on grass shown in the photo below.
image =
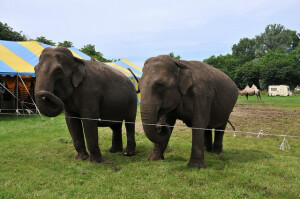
(234, 158)
(229, 158)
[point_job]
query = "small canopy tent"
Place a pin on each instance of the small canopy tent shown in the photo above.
(17, 77)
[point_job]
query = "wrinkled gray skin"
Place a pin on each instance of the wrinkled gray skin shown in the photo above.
(199, 95)
(86, 89)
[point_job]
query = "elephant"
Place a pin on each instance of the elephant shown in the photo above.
(86, 91)
(198, 94)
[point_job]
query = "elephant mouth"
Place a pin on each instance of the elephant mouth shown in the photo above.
(48, 104)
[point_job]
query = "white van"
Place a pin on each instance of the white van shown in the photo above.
(279, 90)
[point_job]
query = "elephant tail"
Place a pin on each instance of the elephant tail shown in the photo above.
(231, 125)
(137, 80)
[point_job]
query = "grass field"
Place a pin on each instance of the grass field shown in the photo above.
(291, 102)
(37, 160)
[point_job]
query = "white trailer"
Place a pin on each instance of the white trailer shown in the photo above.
(279, 90)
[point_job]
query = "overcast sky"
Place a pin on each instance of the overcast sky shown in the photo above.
(137, 29)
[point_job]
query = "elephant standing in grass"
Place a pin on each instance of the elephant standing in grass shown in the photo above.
(86, 89)
(196, 93)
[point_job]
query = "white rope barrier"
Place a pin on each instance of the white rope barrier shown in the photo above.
(259, 134)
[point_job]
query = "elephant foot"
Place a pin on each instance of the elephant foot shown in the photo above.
(115, 150)
(129, 152)
(217, 149)
(208, 149)
(130, 149)
(82, 156)
(96, 159)
(155, 156)
(196, 164)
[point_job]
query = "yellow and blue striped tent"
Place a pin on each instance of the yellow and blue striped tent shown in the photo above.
(19, 59)
(123, 66)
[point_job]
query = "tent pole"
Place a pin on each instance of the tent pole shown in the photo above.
(17, 96)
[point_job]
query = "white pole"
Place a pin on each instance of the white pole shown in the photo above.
(17, 95)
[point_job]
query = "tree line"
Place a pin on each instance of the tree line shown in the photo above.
(271, 58)
(7, 33)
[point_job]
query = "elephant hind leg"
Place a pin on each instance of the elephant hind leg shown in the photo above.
(130, 133)
(117, 144)
(208, 140)
(218, 141)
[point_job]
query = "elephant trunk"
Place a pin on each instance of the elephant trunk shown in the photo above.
(48, 103)
(151, 124)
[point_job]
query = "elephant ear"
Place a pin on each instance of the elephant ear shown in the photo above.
(78, 72)
(185, 79)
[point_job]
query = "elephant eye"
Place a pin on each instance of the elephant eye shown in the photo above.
(158, 84)
(59, 72)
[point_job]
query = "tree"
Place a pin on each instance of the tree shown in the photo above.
(280, 68)
(7, 33)
(90, 50)
(178, 57)
(248, 73)
(226, 63)
(276, 37)
(66, 44)
(244, 50)
(42, 39)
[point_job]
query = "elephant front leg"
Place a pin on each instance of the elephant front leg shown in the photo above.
(75, 129)
(197, 155)
(91, 135)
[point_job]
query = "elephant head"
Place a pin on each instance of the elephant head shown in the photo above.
(164, 83)
(57, 74)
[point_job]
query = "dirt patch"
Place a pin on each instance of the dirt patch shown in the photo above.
(253, 118)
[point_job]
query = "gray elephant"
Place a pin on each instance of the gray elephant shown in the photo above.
(86, 89)
(194, 92)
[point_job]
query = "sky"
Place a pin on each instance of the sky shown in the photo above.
(137, 30)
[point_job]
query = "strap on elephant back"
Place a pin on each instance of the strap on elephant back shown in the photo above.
(138, 91)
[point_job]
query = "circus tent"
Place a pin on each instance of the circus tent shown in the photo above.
(17, 77)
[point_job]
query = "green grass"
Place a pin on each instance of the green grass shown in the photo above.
(290, 102)
(37, 161)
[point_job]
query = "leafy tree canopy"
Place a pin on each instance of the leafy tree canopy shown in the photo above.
(248, 73)
(270, 58)
(90, 50)
(7, 33)
(178, 57)
(42, 39)
(66, 44)
(244, 50)
(276, 37)
(226, 63)
(280, 68)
